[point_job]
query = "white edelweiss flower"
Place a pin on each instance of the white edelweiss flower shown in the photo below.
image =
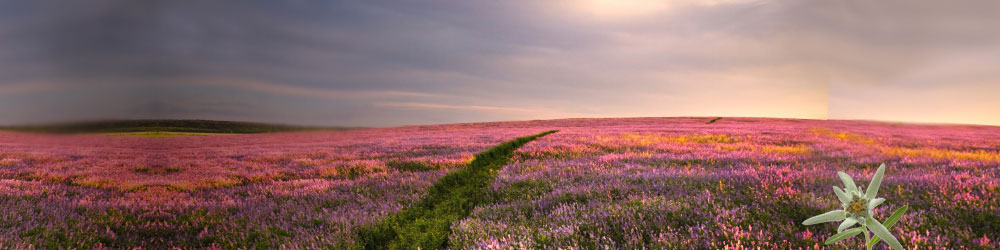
(857, 209)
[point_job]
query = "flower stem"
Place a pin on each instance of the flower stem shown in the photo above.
(868, 237)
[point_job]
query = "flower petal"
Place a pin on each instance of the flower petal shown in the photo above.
(883, 233)
(834, 215)
(844, 198)
(846, 224)
(874, 203)
(848, 182)
(876, 182)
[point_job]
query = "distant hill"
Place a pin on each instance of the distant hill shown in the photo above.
(190, 126)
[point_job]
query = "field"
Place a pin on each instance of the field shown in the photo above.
(654, 183)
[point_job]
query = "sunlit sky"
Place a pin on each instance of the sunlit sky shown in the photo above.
(387, 63)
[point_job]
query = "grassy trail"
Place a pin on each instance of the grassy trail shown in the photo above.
(427, 224)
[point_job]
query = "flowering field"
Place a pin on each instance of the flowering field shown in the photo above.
(300, 190)
(675, 183)
(736, 184)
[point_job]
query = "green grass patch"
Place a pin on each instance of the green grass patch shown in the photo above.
(162, 134)
(427, 224)
(157, 169)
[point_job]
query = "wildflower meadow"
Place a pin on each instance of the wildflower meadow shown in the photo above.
(635, 183)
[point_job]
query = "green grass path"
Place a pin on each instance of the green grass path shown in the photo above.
(427, 224)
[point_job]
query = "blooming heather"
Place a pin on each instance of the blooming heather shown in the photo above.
(738, 183)
(294, 190)
(654, 183)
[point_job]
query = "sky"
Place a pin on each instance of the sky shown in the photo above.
(389, 63)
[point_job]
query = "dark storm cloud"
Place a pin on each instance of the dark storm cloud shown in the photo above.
(406, 62)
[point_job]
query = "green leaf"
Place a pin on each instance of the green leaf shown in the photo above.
(844, 199)
(882, 232)
(890, 222)
(834, 215)
(848, 182)
(876, 182)
(846, 224)
(844, 235)
(874, 203)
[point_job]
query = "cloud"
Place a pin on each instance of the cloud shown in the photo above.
(526, 113)
(414, 105)
(292, 90)
(399, 62)
(21, 88)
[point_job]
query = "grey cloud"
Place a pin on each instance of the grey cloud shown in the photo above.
(323, 61)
